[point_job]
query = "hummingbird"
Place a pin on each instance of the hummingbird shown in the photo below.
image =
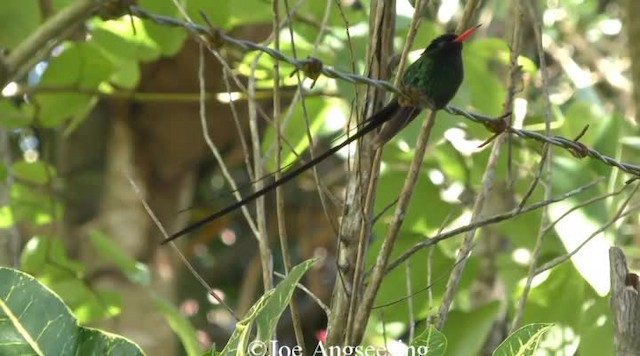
(428, 83)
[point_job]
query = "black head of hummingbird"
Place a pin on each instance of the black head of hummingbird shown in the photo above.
(436, 76)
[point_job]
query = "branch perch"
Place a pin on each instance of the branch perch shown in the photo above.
(625, 305)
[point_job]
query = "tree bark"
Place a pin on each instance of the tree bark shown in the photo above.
(625, 305)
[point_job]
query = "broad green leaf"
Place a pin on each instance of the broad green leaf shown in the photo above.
(46, 258)
(431, 341)
(18, 19)
(267, 318)
(36, 322)
(89, 304)
(596, 326)
(557, 297)
(168, 39)
(31, 205)
(179, 324)
(38, 172)
(265, 313)
(467, 331)
(217, 11)
(119, 44)
(523, 342)
(238, 341)
(79, 66)
(137, 272)
(527, 64)
(43, 252)
(15, 116)
(247, 11)
(392, 297)
(426, 211)
(579, 113)
(118, 39)
(452, 164)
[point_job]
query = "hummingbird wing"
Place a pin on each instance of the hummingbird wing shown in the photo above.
(399, 117)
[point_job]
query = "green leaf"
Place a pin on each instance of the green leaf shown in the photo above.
(119, 40)
(451, 162)
(36, 321)
(523, 342)
(393, 291)
(247, 11)
(79, 66)
(47, 255)
(426, 211)
(15, 116)
(137, 272)
(466, 331)
(31, 205)
(596, 326)
(555, 298)
(6, 217)
(238, 341)
(168, 39)
(37, 172)
(179, 324)
(265, 313)
(217, 11)
(18, 19)
(267, 318)
(432, 341)
(46, 258)
(119, 44)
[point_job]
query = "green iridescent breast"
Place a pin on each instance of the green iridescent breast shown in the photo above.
(433, 80)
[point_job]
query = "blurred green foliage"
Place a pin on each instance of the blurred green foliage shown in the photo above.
(108, 59)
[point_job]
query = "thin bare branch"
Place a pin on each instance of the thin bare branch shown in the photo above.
(487, 185)
(382, 260)
(537, 29)
(430, 241)
(182, 257)
(214, 149)
(280, 209)
(622, 212)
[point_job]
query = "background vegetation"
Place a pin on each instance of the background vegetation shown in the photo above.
(111, 114)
